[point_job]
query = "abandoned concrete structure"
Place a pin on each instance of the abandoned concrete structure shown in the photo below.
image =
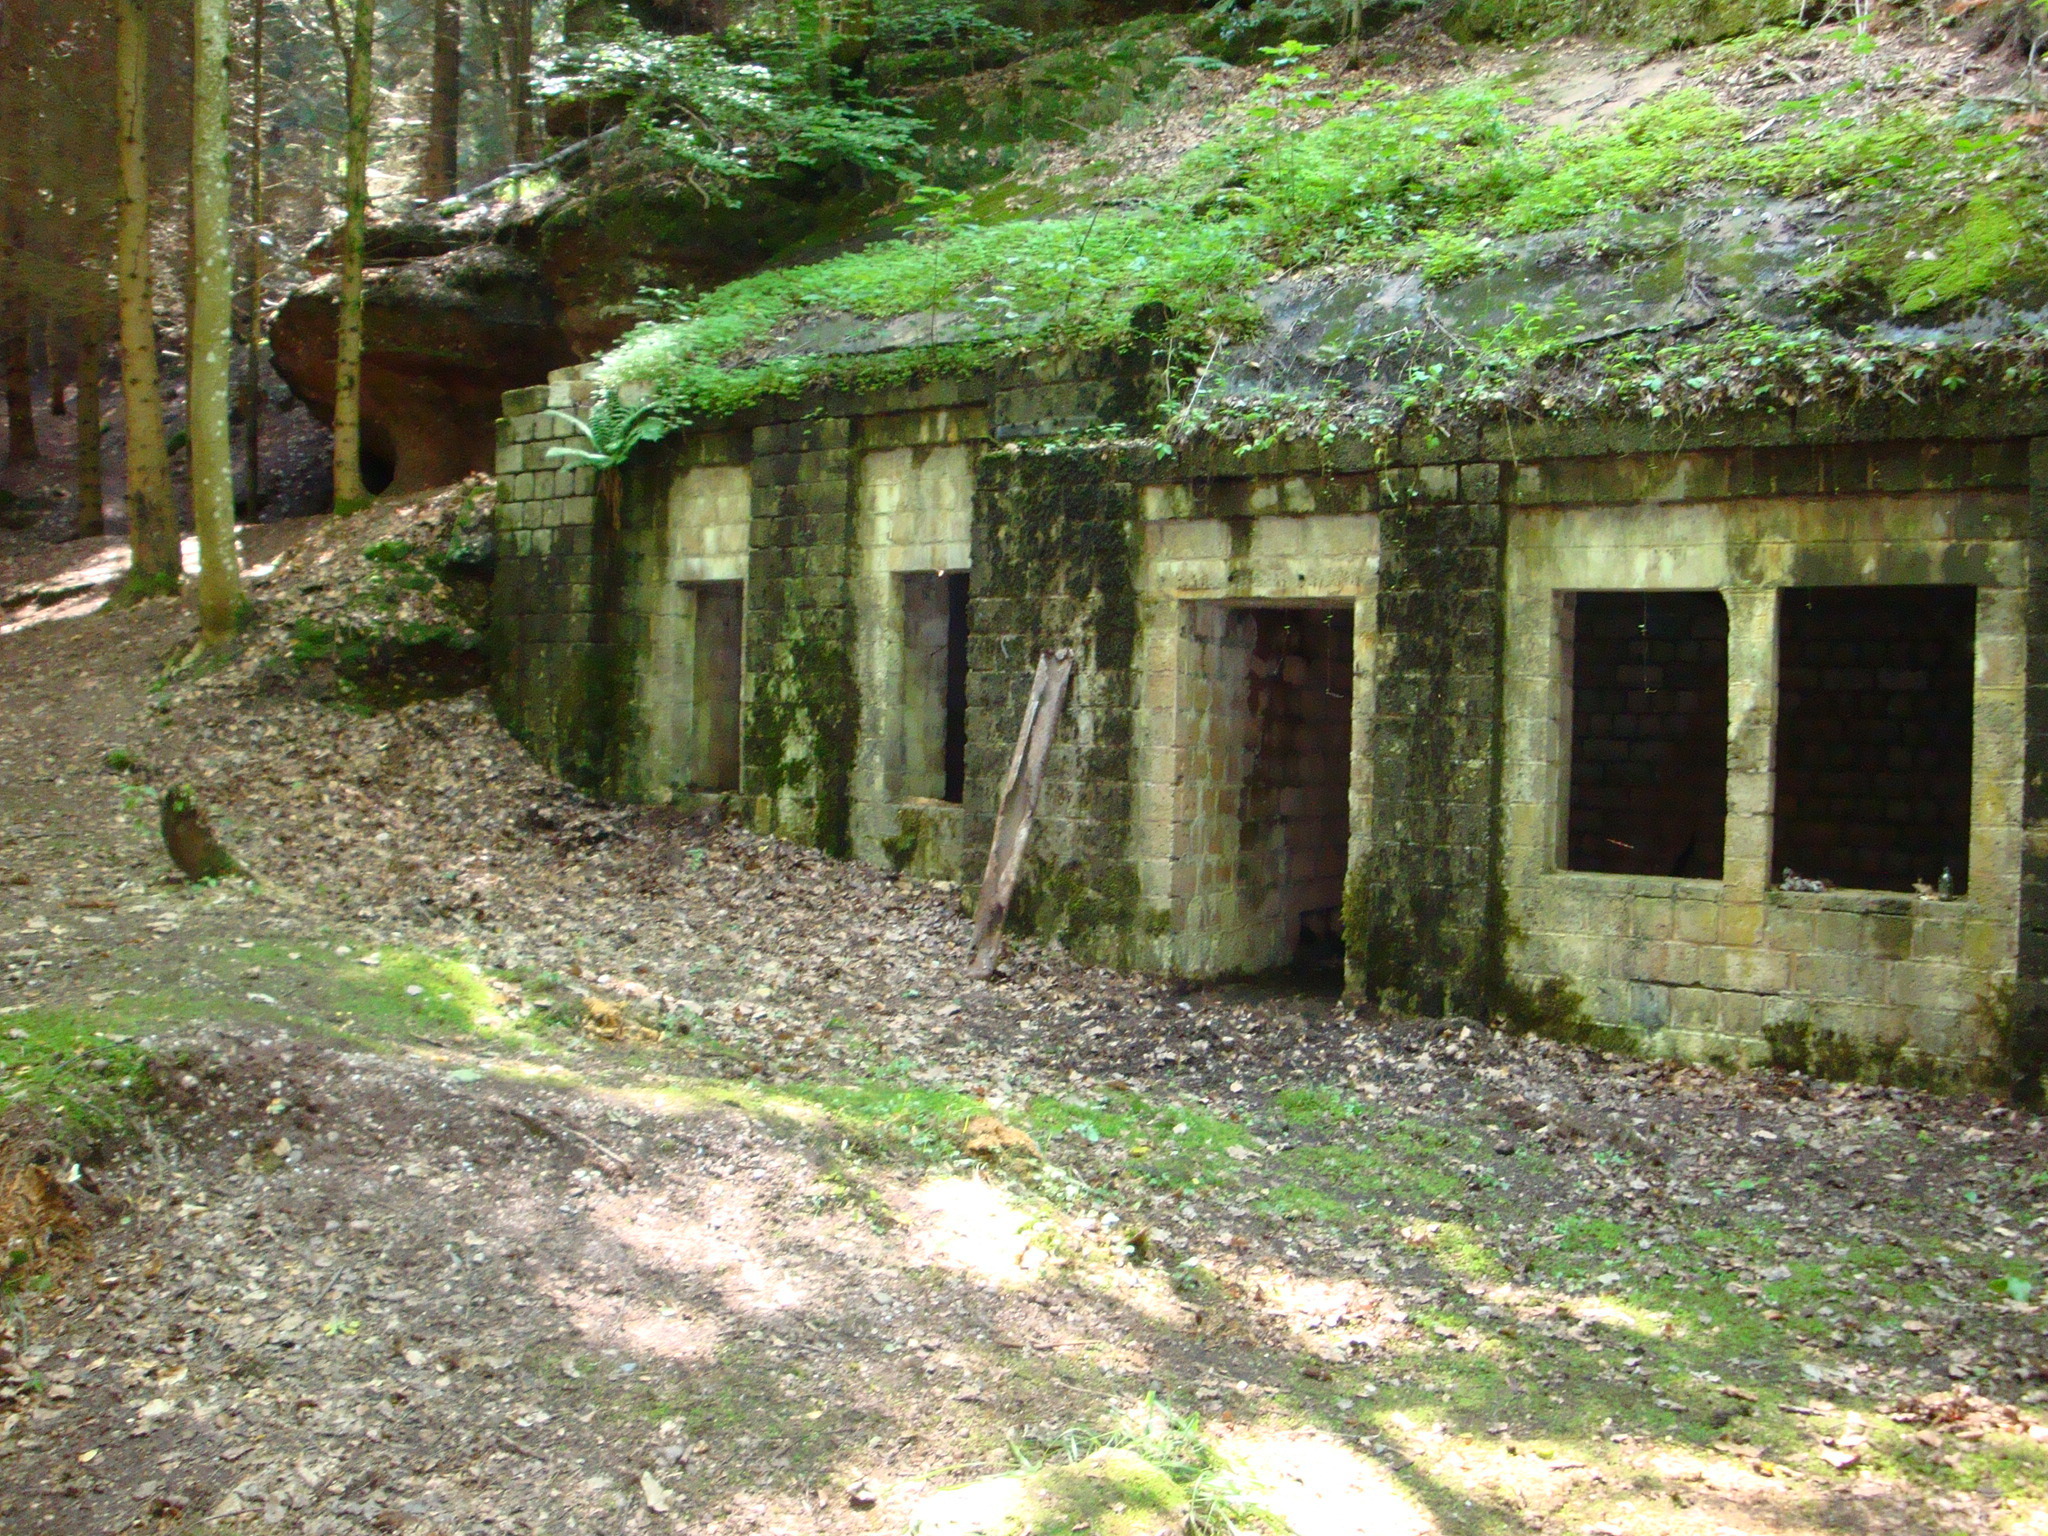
(1728, 741)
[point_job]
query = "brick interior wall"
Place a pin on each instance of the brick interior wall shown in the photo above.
(1873, 745)
(1649, 742)
(1296, 801)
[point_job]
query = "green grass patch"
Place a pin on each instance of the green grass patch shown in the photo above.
(71, 1066)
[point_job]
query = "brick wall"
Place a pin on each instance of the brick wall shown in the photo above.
(1053, 567)
(1297, 781)
(546, 666)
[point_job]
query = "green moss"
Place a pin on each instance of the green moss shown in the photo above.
(1431, 180)
(81, 1069)
(800, 730)
(1987, 241)
(1800, 1045)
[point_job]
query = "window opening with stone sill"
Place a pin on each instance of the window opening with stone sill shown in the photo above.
(933, 714)
(1295, 822)
(1873, 761)
(715, 684)
(1648, 792)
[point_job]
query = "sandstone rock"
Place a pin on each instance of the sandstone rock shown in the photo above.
(444, 337)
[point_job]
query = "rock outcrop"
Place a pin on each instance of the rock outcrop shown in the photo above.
(443, 337)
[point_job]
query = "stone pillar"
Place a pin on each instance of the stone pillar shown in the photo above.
(547, 676)
(802, 695)
(1423, 912)
(2029, 1033)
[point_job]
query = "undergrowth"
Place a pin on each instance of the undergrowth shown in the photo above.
(1942, 211)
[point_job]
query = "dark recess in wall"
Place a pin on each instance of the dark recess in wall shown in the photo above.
(1649, 733)
(1875, 687)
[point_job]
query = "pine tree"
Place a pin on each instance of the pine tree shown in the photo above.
(211, 342)
(349, 492)
(152, 516)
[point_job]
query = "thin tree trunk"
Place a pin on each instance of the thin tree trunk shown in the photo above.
(58, 347)
(14, 355)
(152, 518)
(438, 170)
(213, 334)
(252, 388)
(89, 334)
(519, 66)
(349, 491)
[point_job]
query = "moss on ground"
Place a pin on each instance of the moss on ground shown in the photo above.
(83, 1069)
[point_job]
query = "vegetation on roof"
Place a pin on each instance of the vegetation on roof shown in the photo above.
(1351, 174)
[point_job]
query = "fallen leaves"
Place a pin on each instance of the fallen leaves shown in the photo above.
(995, 1140)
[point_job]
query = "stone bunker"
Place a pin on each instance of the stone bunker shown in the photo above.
(1712, 740)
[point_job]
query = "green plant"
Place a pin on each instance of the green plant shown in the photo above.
(695, 114)
(1219, 1501)
(612, 432)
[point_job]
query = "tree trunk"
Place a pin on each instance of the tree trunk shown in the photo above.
(349, 492)
(90, 337)
(212, 341)
(444, 107)
(252, 387)
(152, 518)
(519, 68)
(59, 347)
(14, 358)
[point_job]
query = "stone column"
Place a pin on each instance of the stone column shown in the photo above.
(1423, 912)
(2029, 1038)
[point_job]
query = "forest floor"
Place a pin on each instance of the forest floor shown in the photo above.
(499, 1161)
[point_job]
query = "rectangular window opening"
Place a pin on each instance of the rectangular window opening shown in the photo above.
(715, 685)
(1649, 733)
(934, 694)
(1296, 817)
(1873, 752)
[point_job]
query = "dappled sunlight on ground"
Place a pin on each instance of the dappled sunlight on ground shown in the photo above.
(724, 1238)
(664, 1332)
(1318, 1485)
(966, 1224)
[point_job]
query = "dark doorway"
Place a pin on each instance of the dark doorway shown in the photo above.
(1875, 703)
(934, 698)
(715, 685)
(1649, 733)
(1296, 822)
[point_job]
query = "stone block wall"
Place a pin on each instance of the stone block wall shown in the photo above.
(1738, 967)
(1185, 768)
(1423, 920)
(547, 670)
(1219, 556)
(1054, 566)
(915, 509)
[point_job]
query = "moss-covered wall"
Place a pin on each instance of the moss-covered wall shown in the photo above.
(549, 675)
(1449, 902)
(1054, 566)
(1422, 906)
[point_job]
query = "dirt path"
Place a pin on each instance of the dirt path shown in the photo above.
(502, 1162)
